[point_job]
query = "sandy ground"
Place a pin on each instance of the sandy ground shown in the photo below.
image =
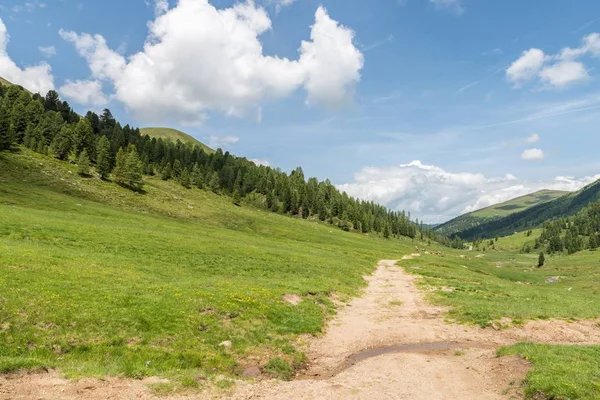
(389, 343)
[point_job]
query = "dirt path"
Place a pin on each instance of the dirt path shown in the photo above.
(388, 343)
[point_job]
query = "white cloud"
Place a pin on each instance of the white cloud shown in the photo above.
(454, 5)
(526, 67)
(435, 195)
(261, 161)
(533, 138)
(591, 45)
(47, 51)
(199, 59)
(86, 93)
(532, 155)
(222, 141)
(36, 78)
(564, 73)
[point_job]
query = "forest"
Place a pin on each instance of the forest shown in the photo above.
(122, 154)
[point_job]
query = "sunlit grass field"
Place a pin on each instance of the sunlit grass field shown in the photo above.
(97, 280)
(492, 285)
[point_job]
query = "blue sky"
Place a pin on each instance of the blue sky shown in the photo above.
(482, 93)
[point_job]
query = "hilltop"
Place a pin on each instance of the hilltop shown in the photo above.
(497, 211)
(174, 135)
(534, 216)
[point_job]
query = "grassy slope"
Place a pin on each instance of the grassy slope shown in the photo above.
(475, 218)
(534, 216)
(174, 134)
(95, 279)
(4, 82)
(507, 284)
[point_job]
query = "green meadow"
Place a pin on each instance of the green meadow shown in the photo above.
(97, 280)
(495, 284)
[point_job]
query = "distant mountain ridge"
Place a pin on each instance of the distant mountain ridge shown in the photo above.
(533, 217)
(174, 135)
(497, 211)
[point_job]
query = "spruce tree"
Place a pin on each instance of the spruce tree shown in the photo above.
(236, 199)
(541, 260)
(167, 172)
(103, 157)
(119, 172)
(5, 136)
(18, 122)
(61, 144)
(386, 231)
(177, 170)
(133, 169)
(185, 179)
(214, 183)
(83, 163)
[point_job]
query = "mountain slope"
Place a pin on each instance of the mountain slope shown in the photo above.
(161, 278)
(534, 216)
(174, 134)
(4, 82)
(497, 211)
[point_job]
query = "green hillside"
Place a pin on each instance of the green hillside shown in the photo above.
(174, 135)
(97, 279)
(533, 217)
(497, 211)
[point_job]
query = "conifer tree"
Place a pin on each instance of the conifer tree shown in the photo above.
(119, 172)
(214, 182)
(236, 199)
(18, 122)
(83, 164)
(541, 260)
(103, 157)
(61, 144)
(185, 179)
(5, 136)
(133, 169)
(177, 170)
(386, 231)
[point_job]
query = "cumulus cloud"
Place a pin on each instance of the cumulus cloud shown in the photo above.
(435, 195)
(532, 155)
(453, 5)
(554, 71)
(86, 93)
(47, 51)
(533, 138)
(36, 78)
(199, 59)
(222, 141)
(525, 67)
(564, 73)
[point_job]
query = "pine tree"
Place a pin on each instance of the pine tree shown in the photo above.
(177, 170)
(236, 199)
(83, 164)
(541, 260)
(214, 183)
(185, 179)
(386, 231)
(119, 172)
(18, 122)
(167, 172)
(61, 144)
(5, 136)
(103, 157)
(83, 137)
(133, 169)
